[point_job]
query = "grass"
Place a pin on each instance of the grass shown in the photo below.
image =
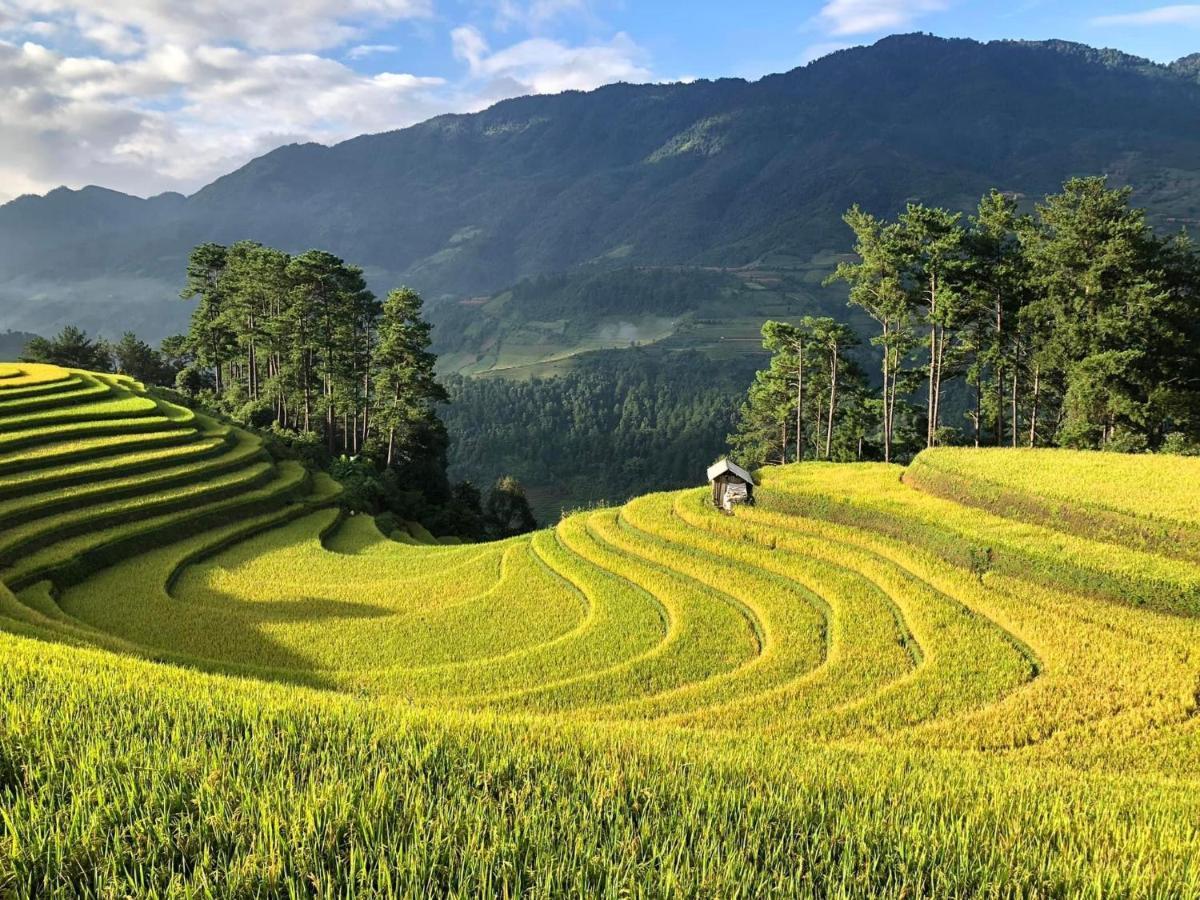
(877, 682)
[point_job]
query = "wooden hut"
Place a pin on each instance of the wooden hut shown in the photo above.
(731, 484)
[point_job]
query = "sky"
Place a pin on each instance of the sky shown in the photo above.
(146, 96)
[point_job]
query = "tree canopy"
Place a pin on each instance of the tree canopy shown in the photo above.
(1074, 325)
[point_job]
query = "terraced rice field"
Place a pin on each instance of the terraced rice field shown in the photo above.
(939, 681)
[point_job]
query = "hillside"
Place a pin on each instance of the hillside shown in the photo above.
(858, 686)
(710, 174)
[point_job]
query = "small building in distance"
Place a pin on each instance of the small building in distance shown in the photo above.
(731, 484)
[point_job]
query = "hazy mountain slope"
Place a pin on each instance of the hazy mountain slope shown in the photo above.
(710, 173)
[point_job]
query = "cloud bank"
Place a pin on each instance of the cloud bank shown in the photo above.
(152, 95)
(1179, 14)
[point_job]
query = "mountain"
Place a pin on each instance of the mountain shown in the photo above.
(713, 174)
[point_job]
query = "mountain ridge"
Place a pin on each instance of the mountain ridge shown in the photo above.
(716, 172)
(1185, 67)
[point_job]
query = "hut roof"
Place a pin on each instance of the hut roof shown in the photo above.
(716, 470)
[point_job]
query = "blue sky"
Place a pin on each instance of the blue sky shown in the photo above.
(705, 38)
(152, 95)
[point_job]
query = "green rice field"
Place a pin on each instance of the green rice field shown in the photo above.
(977, 676)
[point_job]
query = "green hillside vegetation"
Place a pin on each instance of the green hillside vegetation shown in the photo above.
(1073, 325)
(524, 330)
(215, 682)
(611, 426)
(725, 173)
(298, 347)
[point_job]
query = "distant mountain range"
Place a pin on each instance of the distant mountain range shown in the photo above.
(711, 174)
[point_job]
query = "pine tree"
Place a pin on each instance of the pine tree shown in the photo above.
(832, 339)
(205, 280)
(998, 286)
(134, 357)
(933, 251)
(1100, 287)
(70, 347)
(877, 285)
(404, 371)
(507, 511)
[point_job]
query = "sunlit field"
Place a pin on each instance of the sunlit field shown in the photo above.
(977, 675)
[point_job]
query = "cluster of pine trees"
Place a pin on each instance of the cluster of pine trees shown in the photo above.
(299, 344)
(1074, 325)
(300, 341)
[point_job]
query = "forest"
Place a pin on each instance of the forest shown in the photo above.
(1073, 325)
(618, 424)
(1068, 324)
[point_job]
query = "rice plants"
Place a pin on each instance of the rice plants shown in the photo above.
(875, 497)
(51, 395)
(21, 375)
(118, 407)
(1147, 486)
(940, 681)
(39, 388)
(1130, 501)
(369, 611)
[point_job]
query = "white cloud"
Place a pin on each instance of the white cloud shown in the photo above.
(152, 95)
(175, 118)
(256, 24)
(364, 50)
(109, 36)
(544, 66)
(845, 17)
(1179, 14)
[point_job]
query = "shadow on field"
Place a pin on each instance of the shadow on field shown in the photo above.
(233, 637)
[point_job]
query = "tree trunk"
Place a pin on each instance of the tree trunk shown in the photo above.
(800, 401)
(833, 367)
(1033, 414)
(307, 376)
(817, 430)
(366, 410)
(892, 405)
(931, 415)
(1000, 373)
(936, 420)
(978, 407)
(1014, 424)
(930, 405)
(999, 407)
(887, 429)
(216, 350)
(327, 392)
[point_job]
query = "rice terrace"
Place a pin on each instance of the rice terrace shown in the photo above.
(538, 449)
(877, 680)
